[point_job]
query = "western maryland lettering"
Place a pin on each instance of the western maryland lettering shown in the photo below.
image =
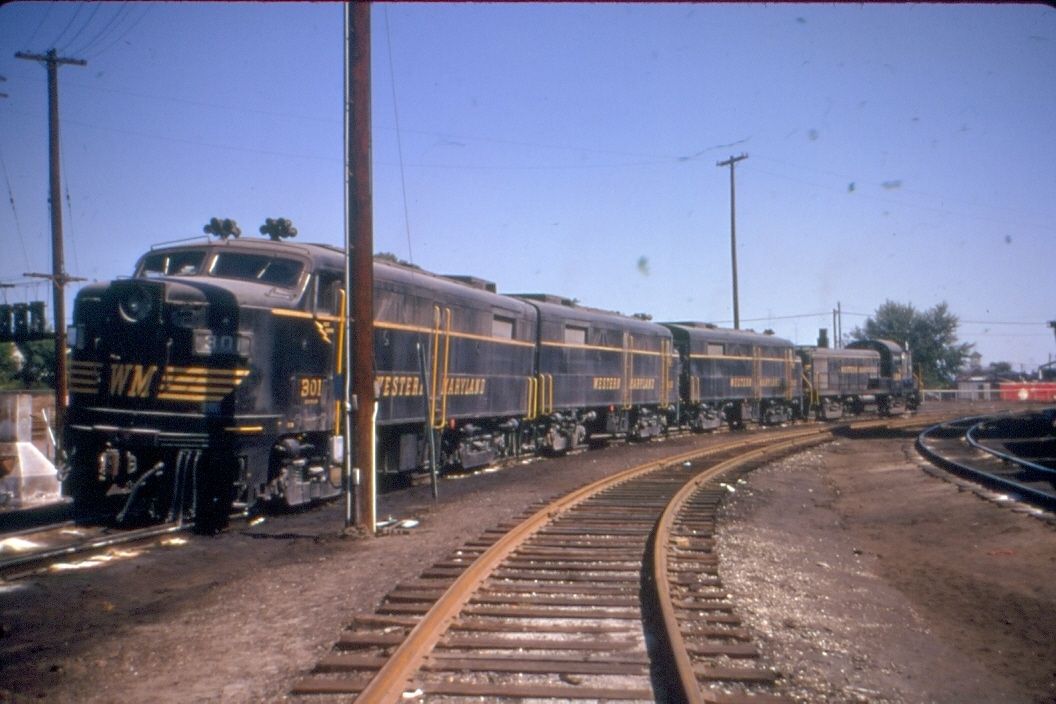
(851, 369)
(132, 380)
(194, 384)
(746, 382)
(465, 386)
(396, 385)
(389, 385)
(615, 383)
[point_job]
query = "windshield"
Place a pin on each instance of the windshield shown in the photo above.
(257, 267)
(260, 268)
(187, 263)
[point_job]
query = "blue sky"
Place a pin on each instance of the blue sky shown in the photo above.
(901, 152)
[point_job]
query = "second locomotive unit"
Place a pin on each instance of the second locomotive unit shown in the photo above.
(209, 378)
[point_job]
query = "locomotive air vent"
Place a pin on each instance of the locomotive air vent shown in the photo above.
(473, 281)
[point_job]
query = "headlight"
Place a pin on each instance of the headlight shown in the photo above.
(135, 304)
(207, 343)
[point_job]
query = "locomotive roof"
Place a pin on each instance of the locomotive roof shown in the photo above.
(326, 254)
(834, 353)
(466, 290)
(568, 310)
(277, 284)
(706, 331)
(890, 345)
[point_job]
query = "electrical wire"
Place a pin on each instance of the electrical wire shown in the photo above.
(69, 24)
(399, 140)
(14, 211)
(135, 22)
(87, 23)
(43, 19)
(106, 28)
(68, 236)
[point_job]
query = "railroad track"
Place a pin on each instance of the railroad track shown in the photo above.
(30, 538)
(609, 593)
(30, 551)
(986, 450)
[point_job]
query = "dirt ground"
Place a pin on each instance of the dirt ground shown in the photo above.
(869, 579)
(864, 577)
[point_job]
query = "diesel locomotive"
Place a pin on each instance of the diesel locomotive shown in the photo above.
(211, 378)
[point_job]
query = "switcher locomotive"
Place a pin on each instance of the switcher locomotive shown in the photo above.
(210, 379)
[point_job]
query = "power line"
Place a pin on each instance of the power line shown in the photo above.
(14, 211)
(1002, 322)
(69, 210)
(859, 193)
(87, 23)
(97, 37)
(43, 19)
(399, 139)
(135, 23)
(69, 24)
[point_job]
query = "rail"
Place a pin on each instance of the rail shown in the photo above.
(396, 673)
(689, 689)
(929, 443)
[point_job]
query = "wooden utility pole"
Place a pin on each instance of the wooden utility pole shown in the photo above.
(359, 278)
(58, 277)
(733, 237)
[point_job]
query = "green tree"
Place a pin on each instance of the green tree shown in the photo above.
(999, 367)
(222, 228)
(37, 370)
(278, 229)
(9, 366)
(930, 335)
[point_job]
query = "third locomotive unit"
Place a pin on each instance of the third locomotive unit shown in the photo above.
(211, 377)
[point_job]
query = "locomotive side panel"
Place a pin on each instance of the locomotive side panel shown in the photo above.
(897, 389)
(840, 381)
(735, 376)
(475, 347)
(600, 374)
(451, 359)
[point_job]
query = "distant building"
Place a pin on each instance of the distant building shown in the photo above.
(986, 385)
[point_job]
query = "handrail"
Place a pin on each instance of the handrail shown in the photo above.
(533, 388)
(434, 362)
(439, 393)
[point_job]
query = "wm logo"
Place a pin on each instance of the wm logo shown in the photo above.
(132, 380)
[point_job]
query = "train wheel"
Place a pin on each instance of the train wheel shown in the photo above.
(213, 487)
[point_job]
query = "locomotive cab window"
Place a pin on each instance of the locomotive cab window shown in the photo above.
(256, 267)
(329, 285)
(172, 264)
(715, 350)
